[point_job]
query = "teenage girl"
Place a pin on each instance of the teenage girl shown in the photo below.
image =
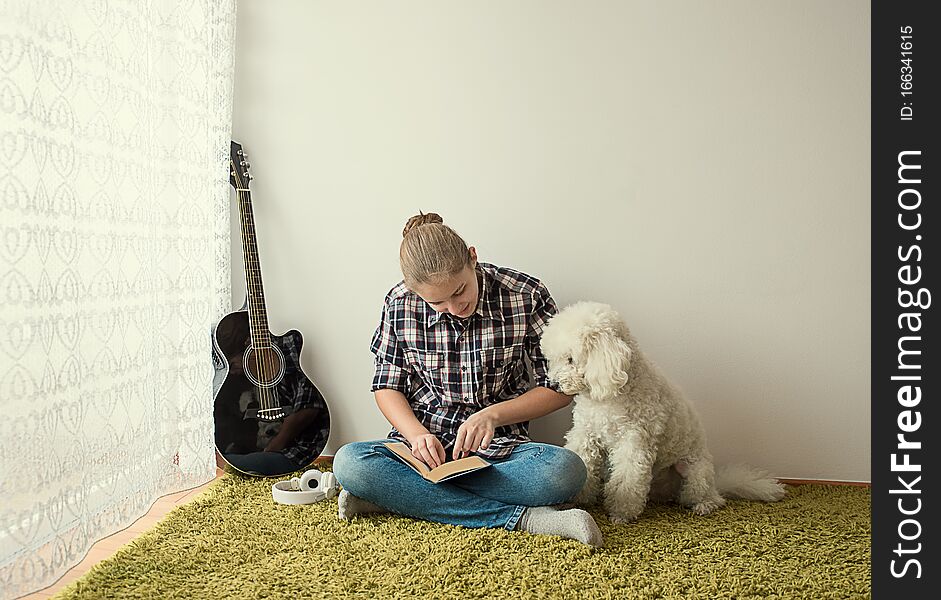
(451, 377)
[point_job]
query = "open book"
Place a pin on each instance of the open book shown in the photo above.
(448, 470)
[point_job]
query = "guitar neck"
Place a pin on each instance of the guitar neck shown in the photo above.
(255, 292)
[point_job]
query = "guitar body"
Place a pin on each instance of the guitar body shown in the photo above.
(270, 419)
(262, 387)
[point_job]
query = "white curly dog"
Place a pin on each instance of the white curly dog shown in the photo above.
(634, 430)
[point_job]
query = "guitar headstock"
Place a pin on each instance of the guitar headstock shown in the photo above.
(239, 176)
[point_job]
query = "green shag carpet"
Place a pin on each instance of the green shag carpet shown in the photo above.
(233, 541)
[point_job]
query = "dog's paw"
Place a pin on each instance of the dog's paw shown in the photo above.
(624, 513)
(704, 508)
(622, 518)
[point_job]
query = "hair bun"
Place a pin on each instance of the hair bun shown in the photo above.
(421, 219)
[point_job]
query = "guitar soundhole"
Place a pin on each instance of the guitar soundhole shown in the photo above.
(264, 367)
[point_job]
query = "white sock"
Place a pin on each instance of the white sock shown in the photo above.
(350, 506)
(574, 524)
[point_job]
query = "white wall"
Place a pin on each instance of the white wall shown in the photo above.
(702, 166)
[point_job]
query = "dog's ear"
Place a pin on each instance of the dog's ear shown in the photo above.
(607, 363)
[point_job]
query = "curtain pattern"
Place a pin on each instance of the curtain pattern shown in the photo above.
(114, 264)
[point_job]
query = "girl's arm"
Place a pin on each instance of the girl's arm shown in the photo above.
(535, 403)
(478, 430)
(395, 407)
(425, 445)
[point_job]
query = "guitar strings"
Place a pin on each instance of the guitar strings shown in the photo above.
(251, 327)
(261, 356)
(248, 272)
(245, 205)
(261, 353)
(267, 354)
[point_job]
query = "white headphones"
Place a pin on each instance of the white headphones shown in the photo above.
(310, 487)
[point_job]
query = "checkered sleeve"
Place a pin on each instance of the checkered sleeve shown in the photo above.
(544, 308)
(391, 368)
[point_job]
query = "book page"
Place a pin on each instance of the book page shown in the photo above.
(470, 463)
(463, 465)
(405, 454)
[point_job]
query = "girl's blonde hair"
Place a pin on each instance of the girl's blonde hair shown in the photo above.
(431, 251)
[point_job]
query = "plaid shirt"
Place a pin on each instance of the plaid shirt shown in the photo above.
(450, 368)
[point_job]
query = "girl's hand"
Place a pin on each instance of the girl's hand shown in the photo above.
(474, 434)
(428, 449)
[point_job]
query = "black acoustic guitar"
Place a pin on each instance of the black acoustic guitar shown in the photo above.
(270, 419)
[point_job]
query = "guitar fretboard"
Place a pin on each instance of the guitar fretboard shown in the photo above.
(257, 313)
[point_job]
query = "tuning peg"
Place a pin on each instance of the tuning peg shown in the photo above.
(245, 164)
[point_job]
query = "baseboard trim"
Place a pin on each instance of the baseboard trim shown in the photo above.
(328, 460)
(865, 484)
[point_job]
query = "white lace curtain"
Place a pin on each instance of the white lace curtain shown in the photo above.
(114, 262)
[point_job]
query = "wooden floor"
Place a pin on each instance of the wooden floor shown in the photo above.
(109, 545)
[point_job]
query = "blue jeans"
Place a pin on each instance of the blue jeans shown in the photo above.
(535, 474)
